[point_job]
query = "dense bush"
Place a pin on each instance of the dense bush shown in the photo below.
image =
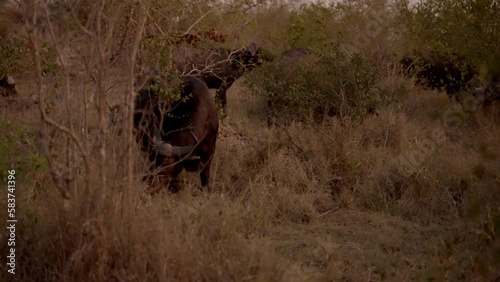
(16, 50)
(12, 52)
(466, 28)
(315, 87)
(18, 149)
(437, 71)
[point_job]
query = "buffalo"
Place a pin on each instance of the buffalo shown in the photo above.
(179, 135)
(9, 85)
(437, 71)
(217, 67)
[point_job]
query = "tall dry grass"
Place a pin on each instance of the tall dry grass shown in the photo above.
(336, 208)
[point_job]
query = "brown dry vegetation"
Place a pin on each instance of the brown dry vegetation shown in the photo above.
(409, 194)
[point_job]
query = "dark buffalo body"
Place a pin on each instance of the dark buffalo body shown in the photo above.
(437, 71)
(218, 68)
(190, 125)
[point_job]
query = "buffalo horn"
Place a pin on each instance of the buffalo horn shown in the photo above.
(10, 80)
(168, 150)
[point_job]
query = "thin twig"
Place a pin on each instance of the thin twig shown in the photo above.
(197, 21)
(291, 138)
(329, 211)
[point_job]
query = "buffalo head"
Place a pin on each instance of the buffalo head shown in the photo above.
(452, 73)
(217, 67)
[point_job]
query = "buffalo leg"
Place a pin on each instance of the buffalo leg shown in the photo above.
(221, 97)
(205, 176)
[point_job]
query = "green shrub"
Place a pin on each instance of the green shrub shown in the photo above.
(16, 57)
(310, 26)
(468, 28)
(166, 84)
(13, 52)
(315, 87)
(18, 150)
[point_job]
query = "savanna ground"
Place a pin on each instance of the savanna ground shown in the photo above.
(410, 193)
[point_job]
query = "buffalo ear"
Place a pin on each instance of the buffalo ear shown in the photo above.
(156, 135)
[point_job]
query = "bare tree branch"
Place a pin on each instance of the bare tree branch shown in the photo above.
(197, 21)
(129, 98)
(35, 41)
